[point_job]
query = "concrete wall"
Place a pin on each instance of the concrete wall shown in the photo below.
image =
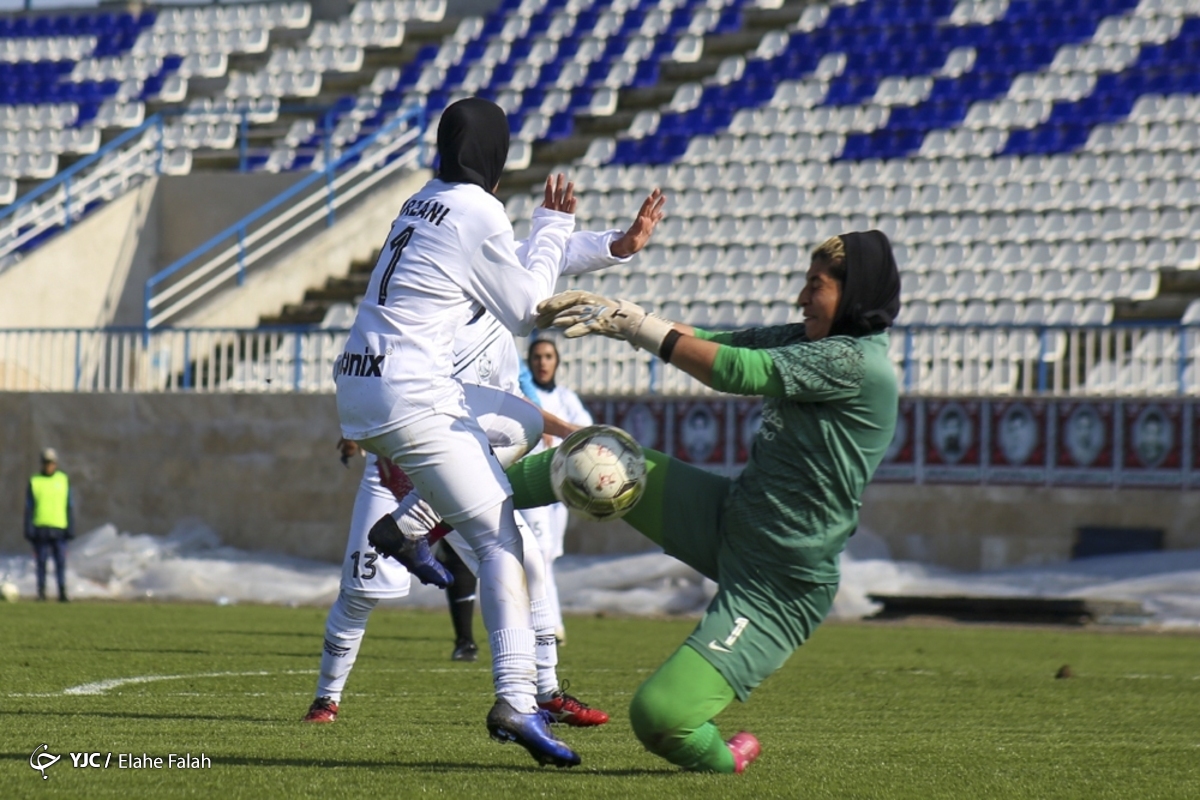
(357, 233)
(262, 471)
(77, 278)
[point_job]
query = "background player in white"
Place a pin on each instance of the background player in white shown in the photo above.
(450, 251)
(549, 523)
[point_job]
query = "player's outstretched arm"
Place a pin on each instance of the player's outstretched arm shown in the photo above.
(509, 283)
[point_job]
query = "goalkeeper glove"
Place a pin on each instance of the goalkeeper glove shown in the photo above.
(583, 313)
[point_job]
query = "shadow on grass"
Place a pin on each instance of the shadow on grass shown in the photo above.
(429, 766)
(138, 715)
(310, 635)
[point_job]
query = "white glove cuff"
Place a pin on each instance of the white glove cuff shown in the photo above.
(650, 334)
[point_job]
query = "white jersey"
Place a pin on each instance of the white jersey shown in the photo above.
(564, 404)
(450, 253)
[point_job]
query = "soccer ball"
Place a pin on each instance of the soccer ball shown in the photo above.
(9, 592)
(599, 472)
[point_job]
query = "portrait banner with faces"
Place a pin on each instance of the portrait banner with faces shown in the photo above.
(1017, 442)
(748, 415)
(700, 432)
(1153, 444)
(644, 421)
(900, 459)
(953, 441)
(1084, 443)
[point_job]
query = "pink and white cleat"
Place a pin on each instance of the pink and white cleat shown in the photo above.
(745, 749)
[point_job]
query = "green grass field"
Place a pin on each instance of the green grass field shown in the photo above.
(871, 711)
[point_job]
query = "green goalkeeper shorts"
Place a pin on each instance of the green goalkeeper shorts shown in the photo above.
(758, 617)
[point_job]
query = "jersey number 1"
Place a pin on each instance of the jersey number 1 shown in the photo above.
(397, 245)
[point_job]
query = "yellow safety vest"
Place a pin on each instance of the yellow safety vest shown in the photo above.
(50, 493)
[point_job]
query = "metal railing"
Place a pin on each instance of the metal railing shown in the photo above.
(1113, 361)
(225, 258)
(65, 199)
(170, 360)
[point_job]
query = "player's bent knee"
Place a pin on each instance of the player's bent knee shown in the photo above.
(654, 719)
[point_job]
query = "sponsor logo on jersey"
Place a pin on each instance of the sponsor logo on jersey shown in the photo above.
(429, 210)
(359, 365)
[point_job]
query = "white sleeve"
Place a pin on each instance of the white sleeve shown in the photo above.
(587, 251)
(510, 286)
(577, 413)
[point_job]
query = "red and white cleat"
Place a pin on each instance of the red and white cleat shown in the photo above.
(568, 710)
(745, 749)
(322, 710)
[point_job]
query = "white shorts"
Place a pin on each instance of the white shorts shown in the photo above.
(365, 572)
(464, 551)
(549, 524)
(450, 460)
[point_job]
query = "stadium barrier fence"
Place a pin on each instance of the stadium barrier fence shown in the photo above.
(1111, 361)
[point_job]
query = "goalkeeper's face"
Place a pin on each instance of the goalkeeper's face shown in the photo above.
(819, 300)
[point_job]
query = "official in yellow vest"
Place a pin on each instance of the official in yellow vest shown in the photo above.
(49, 521)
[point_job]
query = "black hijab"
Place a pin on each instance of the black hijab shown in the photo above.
(871, 291)
(472, 143)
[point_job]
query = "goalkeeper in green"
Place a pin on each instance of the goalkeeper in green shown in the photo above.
(771, 537)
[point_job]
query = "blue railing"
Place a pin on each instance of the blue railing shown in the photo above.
(227, 255)
(1101, 361)
(21, 223)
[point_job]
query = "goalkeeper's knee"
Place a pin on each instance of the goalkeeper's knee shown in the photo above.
(655, 720)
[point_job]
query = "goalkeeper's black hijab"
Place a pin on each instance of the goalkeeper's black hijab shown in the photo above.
(472, 143)
(871, 286)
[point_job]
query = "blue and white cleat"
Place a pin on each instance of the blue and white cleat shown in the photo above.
(413, 554)
(531, 731)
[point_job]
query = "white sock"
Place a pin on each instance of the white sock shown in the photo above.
(414, 516)
(514, 669)
(552, 598)
(504, 602)
(546, 649)
(344, 629)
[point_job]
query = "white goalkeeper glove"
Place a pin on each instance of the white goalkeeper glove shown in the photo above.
(583, 313)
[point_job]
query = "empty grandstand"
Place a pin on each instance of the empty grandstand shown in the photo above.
(1036, 163)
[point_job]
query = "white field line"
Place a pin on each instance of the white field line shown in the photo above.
(103, 687)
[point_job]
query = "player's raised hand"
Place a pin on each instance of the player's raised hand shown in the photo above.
(560, 194)
(649, 215)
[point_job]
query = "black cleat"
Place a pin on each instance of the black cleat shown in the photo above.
(413, 554)
(531, 731)
(465, 650)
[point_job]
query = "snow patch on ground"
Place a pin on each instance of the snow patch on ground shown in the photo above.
(191, 563)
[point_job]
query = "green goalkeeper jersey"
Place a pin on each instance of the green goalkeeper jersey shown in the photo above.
(822, 436)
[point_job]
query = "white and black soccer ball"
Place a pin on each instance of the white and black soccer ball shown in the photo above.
(599, 472)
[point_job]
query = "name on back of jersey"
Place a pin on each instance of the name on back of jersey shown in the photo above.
(428, 210)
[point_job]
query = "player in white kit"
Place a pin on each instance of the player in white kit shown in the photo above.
(549, 523)
(449, 252)
(485, 355)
